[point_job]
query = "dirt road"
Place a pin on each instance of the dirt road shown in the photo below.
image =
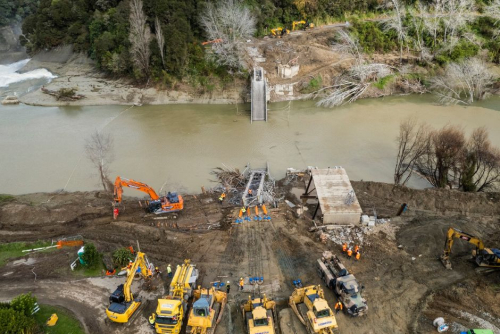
(406, 287)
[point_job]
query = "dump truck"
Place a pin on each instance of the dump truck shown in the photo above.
(207, 311)
(343, 283)
(171, 309)
(260, 315)
(312, 309)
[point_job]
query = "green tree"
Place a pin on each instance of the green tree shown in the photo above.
(24, 304)
(122, 256)
(91, 256)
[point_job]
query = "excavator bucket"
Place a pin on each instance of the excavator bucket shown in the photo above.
(445, 260)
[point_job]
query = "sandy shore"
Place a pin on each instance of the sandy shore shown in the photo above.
(78, 71)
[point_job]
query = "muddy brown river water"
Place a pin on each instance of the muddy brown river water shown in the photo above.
(175, 146)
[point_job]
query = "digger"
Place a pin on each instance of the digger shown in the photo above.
(260, 315)
(484, 257)
(312, 309)
(306, 24)
(170, 203)
(122, 302)
(171, 309)
(207, 311)
(279, 32)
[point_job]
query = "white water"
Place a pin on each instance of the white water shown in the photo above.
(9, 75)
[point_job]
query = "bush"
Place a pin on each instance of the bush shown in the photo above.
(24, 303)
(122, 256)
(91, 256)
(6, 198)
(372, 38)
(16, 318)
(380, 84)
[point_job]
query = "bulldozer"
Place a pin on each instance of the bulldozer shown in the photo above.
(279, 32)
(207, 311)
(306, 24)
(260, 315)
(484, 257)
(171, 309)
(313, 311)
(122, 303)
(172, 202)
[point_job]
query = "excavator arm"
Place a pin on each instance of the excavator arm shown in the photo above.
(120, 183)
(140, 262)
(453, 234)
(295, 23)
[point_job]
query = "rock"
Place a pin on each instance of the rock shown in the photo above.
(10, 100)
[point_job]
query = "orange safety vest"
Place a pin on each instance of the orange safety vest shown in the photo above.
(242, 283)
(349, 253)
(344, 247)
(250, 191)
(358, 255)
(339, 306)
(356, 249)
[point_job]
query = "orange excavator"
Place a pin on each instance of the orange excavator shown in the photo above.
(170, 203)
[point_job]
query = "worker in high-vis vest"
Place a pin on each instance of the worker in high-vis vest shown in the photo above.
(169, 271)
(358, 256)
(356, 249)
(349, 253)
(339, 307)
(152, 320)
(344, 247)
(242, 282)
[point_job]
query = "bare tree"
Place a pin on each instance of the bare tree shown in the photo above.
(346, 44)
(160, 40)
(139, 37)
(493, 10)
(419, 28)
(231, 22)
(432, 20)
(411, 146)
(395, 23)
(443, 150)
(463, 82)
(456, 15)
(480, 169)
(99, 150)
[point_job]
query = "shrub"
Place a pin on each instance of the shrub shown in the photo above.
(91, 256)
(122, 256)
(23, 303)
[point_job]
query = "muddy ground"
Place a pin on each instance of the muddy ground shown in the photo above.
(406, 287)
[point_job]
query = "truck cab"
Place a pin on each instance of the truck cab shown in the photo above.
(169, 315)
(349, 291)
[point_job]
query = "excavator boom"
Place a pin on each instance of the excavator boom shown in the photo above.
(123, 182)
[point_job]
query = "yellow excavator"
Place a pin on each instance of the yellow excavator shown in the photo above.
(207, 311)
(122, 302)
(484, 257)
(260, 315)
(313, 311)
(171, 309)
(279, 32)
(307, 25)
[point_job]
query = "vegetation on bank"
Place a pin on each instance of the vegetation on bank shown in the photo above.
(66, 323)
(14, 250)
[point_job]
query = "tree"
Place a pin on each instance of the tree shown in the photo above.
(231, 22)
(160, 40)
(463, 82)
(411, 146)
(122, 256)
(24, 303)
(99, 150)
(396, 23)
(91, 256)
(139, 37)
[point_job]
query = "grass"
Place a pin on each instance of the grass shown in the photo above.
(313, 85)
(66, 323)
(88, 272)
(15, 249)
(380, 84)
(4, 198)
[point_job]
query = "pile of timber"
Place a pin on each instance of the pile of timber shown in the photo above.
(62, 94)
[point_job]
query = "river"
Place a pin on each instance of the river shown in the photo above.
(176, 146)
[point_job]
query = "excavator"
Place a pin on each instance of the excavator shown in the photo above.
(484, 257)
(122, 303)
(279, 32)
(260, 315)
(171, 309)
(207, 311)
(311, 307)
(307, 25)
(170, 203)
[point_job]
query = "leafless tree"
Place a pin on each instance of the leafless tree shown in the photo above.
(441, 157)
(493, 10)
(456, 15)
(346, 44)
(139, 37)
(432, 19)
(160, 40)
(463, 82)
(411, 146)
(418, 24)
(395, 22)
(99, 150)
(480, 166)
(231, 22)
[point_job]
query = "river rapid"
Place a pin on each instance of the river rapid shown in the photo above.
(174, 147)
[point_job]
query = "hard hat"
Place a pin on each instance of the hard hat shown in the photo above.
(169, 264)
(156, 268)
(227, 282)
(241, 278)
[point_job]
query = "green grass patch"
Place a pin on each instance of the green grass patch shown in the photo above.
(380, 84)
(313, 85)
(66, 324)
(4, 198)
(15, 249)
(88, 272)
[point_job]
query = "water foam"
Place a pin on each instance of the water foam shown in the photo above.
(9, 75)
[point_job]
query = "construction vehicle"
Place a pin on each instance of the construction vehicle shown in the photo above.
(207, 311)
(260, 315)
(343, 283)
(484, 257)
(312, 309)
(307, 25)
(279, 32)
(169, 203)
(122, 302)
(171, 309)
